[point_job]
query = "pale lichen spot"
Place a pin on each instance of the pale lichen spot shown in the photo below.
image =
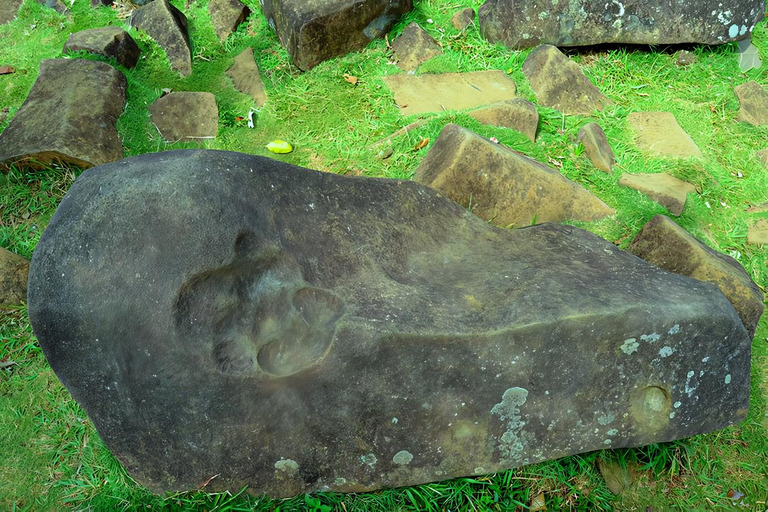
(479, 470)
(607, 441)
(612, 432)
(340, 480)
(512, 442)
(369, 459)
(675, 329)
(287, 467)
(606, 418)
(677, 405)
(650, 338)
(402, 458)
(705, 359)
(394, 420)
(728, 379)
(733, 31)
(666, 351)
(630, 346)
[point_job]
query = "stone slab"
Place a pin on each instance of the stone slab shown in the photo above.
(87, 97)
(501, 186)
(596, 146)
(14, 272)
(313, 31)
(246, 77)
(663, 188)
(349, 334)
(414, 47)
(753, 100)
(560, 83)
(107, 41)
(584, 22)
(226, 16)
(8, 10)
(518, 114)
(463, 18)
(186, 116)
(758, 233)
(417, 94)
(667, 245)
(167, 25)
(660, 134)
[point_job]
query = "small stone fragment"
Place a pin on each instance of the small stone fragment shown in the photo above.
(186, 116)
(417, 94)
(14, 271)
(596, 146)
(414, 47)
(559, 82)
(754, 103)
(8, 10)
(502, 186)
(617, 478)
(107, 41)
(463, 18)
(168, 27)
(518, 114)
(667, 245)
(666, 190)
(758, 233)
(661, 135)
(748, 55)
(226, 16)
(684, 58)
(245, 75)
(763, 156)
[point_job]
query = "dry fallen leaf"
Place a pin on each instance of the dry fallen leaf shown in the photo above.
(350, 78)
(239, 118)
(421, 144)
(7, 70)
(538, 503)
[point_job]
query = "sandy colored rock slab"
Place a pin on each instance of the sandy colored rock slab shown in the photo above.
(87, 97)
(313, 31)
(596, 146)
(449, 91)
(668, 246)
(502, 186)
(518, 114)
(299, 331)
(758, 232)
(414, 47)
(660, 134)
(186, 116)
(463, 18)
(107, 41)
(14, 271)
(666, 190)
(753, 99)
(560, 83)
(226, 16)
(246, 77)
(763, 156)
(168, 27)
(8, 10)
(583, 23)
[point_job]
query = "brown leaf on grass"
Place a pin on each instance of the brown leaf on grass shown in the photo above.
(538, 503)
(7, 70)
(239, 118)
(350, 78)
(421, 144)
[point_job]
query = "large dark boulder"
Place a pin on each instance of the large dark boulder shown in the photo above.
(313, 31)
(226, 314)
(68, 116)
(586, 22)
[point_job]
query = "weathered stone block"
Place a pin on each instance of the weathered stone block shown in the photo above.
(232, 315)
(753, 100)
(168, 27)
(316, 30)
(186, 116)
(87, 97)
(226, 16)
(107, 41)
(586, 22)
(663, 188)
(14, 271)
(414, 47)
(592, 136)
(518, 114)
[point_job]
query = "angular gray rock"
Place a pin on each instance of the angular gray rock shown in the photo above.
(293, 330)
(463, 18)
(668, 246)
(246, 77)
(560, 83)
(8, 10)
(107, 41)
(87, 98)
(226, 16)
(14, 271)
(414, 47)
(502, 186)
(585, 22)
(168, 27)
(592, 136)
(313, 31)
(186, 116)
(663, 188)
(518, 114)
(753, 101)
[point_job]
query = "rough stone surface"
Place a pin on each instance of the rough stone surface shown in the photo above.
(666, 190)
(414, 47)
(8, 10)
(753, 99)
(660, 134)
(667, 245)
(518, 114)
(14, 271)
(463, 18)
(226, 16)
(763, 156)
(107, 41)
(87, 98)
(596, 146)
(186, 116)
(449, 91)
(581, 22)
(347, 334)
(56, 5)
(316, 30)
(758, 233)
(168, 27)
(502, 186)
(245, 75)
(559, 82)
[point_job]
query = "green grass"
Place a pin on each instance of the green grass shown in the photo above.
(53, 458)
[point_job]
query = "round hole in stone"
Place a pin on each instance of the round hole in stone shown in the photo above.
(650, 408)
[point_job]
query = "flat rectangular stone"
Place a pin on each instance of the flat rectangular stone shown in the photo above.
(660, 134)
(417, 94)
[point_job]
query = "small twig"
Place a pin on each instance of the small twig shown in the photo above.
(401, 131)
(208, 481)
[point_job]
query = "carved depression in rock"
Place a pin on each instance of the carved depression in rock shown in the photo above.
(226, 314)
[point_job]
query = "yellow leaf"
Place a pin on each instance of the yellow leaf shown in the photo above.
(279, 146)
